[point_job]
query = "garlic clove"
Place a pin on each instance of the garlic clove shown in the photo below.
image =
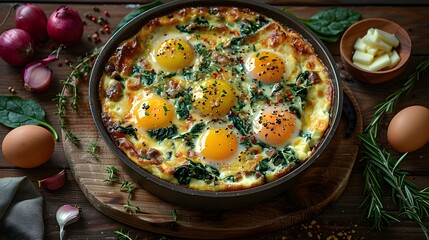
(54, 182)
(67, 214)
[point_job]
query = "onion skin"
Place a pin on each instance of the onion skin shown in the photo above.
(33, 20)
(16, 47)
(65, 26)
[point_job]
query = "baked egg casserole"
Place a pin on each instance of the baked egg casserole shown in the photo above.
(216, 98)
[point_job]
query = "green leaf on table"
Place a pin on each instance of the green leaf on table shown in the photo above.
(15, 112)
(330, 24)
(136, 12)
(333, 21)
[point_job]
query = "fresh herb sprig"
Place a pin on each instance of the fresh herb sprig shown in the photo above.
(381, 168)
(126, 186)
(70, 93)
(122, 235)
(93, 148)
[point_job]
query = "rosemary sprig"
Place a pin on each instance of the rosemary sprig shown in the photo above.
(70, 93)
(382, 169)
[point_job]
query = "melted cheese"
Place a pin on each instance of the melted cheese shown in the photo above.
(196, 60)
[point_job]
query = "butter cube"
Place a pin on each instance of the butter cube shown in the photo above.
(380, 62)
(360, 45)
(379, 52)
(387, 37)
(375, 42)
(372, 51)
(362, 57)
(394, 59)
(365, 67)
(370, 31)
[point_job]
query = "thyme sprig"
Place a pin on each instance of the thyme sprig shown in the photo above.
(126, 186)
(70, 92)
(381, 169)
(93, 148)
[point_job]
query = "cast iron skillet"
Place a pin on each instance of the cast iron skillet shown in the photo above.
(201, 199)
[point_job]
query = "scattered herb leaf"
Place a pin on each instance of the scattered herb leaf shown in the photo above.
(15, 112)
(174, 214)
(113, 175)
(122, 235)
(92, 148)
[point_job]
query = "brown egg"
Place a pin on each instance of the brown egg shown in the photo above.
(28, 146)
(409, 129)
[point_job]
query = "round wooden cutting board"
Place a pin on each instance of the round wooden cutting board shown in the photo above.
(323, 182)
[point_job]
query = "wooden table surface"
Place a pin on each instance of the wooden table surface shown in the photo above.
(343, 219)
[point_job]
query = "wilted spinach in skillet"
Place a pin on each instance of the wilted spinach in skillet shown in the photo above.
(198, 171)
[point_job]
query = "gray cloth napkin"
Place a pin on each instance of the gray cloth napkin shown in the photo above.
(21, 210)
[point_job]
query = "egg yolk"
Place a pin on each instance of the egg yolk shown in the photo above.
(218, 144)
(266, 67)
(154, 113)
(174, 54)
(274, 126)
(213, 97)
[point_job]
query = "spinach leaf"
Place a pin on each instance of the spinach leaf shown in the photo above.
(249, 141)
(263, 166)
(148, 77)
(236, 43)
(129, 130)
(258, 96)
(202, 50)
(163, 133)
(190, 28)
(333, 21)
(247, 28)
(198, 171)
(183, 104)
(241, 125)
(190, 136)
(136, 12)
(197, 128)
(283, 158)
(230, 178)
(329, 24)
(15, 112)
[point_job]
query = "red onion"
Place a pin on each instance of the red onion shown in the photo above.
(16, 47)
(65, 26)
(37, 75)
(32, 19)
